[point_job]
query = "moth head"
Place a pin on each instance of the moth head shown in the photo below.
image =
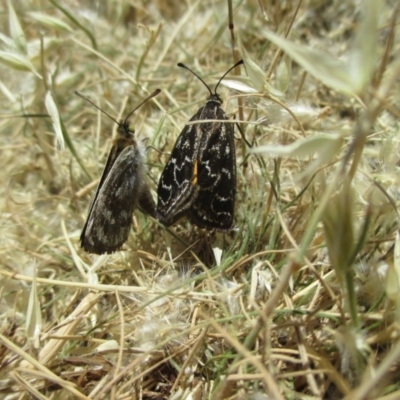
(125, 129)
(123, 126)
(214, 97)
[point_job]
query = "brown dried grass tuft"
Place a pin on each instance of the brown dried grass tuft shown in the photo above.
(303, 301)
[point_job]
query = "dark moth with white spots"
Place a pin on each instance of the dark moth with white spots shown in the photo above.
(122, 187)
(199, 179)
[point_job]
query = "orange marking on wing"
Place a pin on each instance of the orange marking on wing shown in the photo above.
(195, 170)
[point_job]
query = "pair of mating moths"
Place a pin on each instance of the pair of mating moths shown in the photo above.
(199, 179)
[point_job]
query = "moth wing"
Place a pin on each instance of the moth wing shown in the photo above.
(110, 216)
(176, 192)
(214, 205)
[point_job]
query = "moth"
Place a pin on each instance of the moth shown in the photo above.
(122, 187)
(199, 179)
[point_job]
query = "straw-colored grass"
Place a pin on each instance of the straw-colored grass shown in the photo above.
(301, 300)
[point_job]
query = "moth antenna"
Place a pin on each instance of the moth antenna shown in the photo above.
(226, 73)
(91, 102)
(154, 94)
(197, 76)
